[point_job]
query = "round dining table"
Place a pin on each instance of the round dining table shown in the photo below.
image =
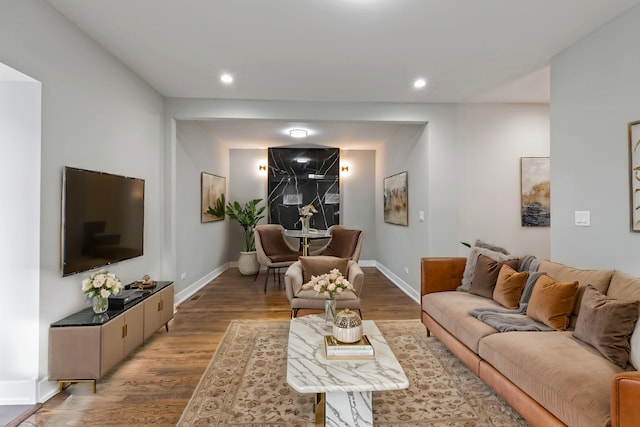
(305, 237)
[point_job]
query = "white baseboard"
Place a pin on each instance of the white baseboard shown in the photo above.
(47, 389)
(18, 392)
(186, 293)
(404, 286)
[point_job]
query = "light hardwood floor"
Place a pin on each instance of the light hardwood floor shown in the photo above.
(153, 385)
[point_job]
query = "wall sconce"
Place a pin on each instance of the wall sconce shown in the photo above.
(262, 169)
(344, 169)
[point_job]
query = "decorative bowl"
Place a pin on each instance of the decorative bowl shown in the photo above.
(347, 327)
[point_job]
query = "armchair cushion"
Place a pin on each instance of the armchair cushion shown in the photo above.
(294, 281)
(343, 243)
(321, 264)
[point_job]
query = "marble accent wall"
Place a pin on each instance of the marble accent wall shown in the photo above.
(299, 176)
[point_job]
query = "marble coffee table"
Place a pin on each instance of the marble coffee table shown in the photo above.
(346, 384)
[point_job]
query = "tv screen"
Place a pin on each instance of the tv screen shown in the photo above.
(103, 219)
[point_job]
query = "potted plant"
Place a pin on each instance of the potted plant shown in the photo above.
(248, 216)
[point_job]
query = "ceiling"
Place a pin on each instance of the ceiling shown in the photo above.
(343, 50)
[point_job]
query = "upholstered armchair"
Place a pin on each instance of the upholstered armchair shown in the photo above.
(344, 243)
(273, 250)
(300, 272)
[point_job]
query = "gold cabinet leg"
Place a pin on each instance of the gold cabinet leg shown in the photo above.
(62, 382)
(319, 408)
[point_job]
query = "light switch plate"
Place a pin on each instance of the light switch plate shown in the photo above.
(421, 215)
(583, 218)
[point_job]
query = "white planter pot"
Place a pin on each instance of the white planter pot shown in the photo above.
(248, 263)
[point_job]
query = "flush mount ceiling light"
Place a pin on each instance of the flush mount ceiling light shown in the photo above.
(419, 83)
(226, 78)
(298, 133)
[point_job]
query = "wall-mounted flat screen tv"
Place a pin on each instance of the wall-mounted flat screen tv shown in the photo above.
(102, 219)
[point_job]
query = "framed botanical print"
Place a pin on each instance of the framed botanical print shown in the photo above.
(212, 191)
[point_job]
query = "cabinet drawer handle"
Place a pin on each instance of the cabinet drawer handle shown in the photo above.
(160, 305)
(124, 330)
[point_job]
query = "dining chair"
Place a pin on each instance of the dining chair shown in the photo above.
(273, 250)
(344, 243)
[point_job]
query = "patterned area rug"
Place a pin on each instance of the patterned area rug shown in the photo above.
(245, 384)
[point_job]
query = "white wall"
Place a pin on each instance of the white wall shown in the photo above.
(594, 94)
(201, 247)
(358, 198)
(245, 184)
(96, 114)
(492, 138)
(20, 103)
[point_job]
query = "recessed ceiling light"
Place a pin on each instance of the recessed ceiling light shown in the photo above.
(226, 78)
(419, 83)
(298, 133)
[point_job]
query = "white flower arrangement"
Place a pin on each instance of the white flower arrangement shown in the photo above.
(307, 211)
(330, 284)
(101, 284)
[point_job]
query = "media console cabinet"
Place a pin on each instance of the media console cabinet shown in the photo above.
(84, 346)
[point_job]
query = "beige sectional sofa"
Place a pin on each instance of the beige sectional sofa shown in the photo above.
(550, 377)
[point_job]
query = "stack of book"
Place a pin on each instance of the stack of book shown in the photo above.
(336, 350)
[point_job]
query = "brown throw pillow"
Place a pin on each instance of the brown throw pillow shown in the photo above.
(486, 275)
(552, 302)
(317, 265)
(607, 324)
(509, 287)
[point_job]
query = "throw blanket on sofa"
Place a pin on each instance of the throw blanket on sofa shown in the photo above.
(505, 320)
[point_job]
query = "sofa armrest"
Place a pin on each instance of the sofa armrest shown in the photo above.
(440, 274)
(625, 395)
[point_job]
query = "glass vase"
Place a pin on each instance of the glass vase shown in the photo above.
(100, 304)
(329, 311)
(305, 224)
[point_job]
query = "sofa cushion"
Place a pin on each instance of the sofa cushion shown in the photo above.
(569, 378)
(626, 287)
(509, 286)
(472, 259)
(600, 280)
(320, 264)
(607, 324)
(552, 302)
(486, 275)
(452, 310)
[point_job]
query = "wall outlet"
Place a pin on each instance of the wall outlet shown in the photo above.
(183, 276)
(406, 270)
(421, 216)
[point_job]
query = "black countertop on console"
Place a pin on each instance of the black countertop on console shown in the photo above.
(87, 317)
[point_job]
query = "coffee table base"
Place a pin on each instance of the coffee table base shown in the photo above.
(339, 409)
